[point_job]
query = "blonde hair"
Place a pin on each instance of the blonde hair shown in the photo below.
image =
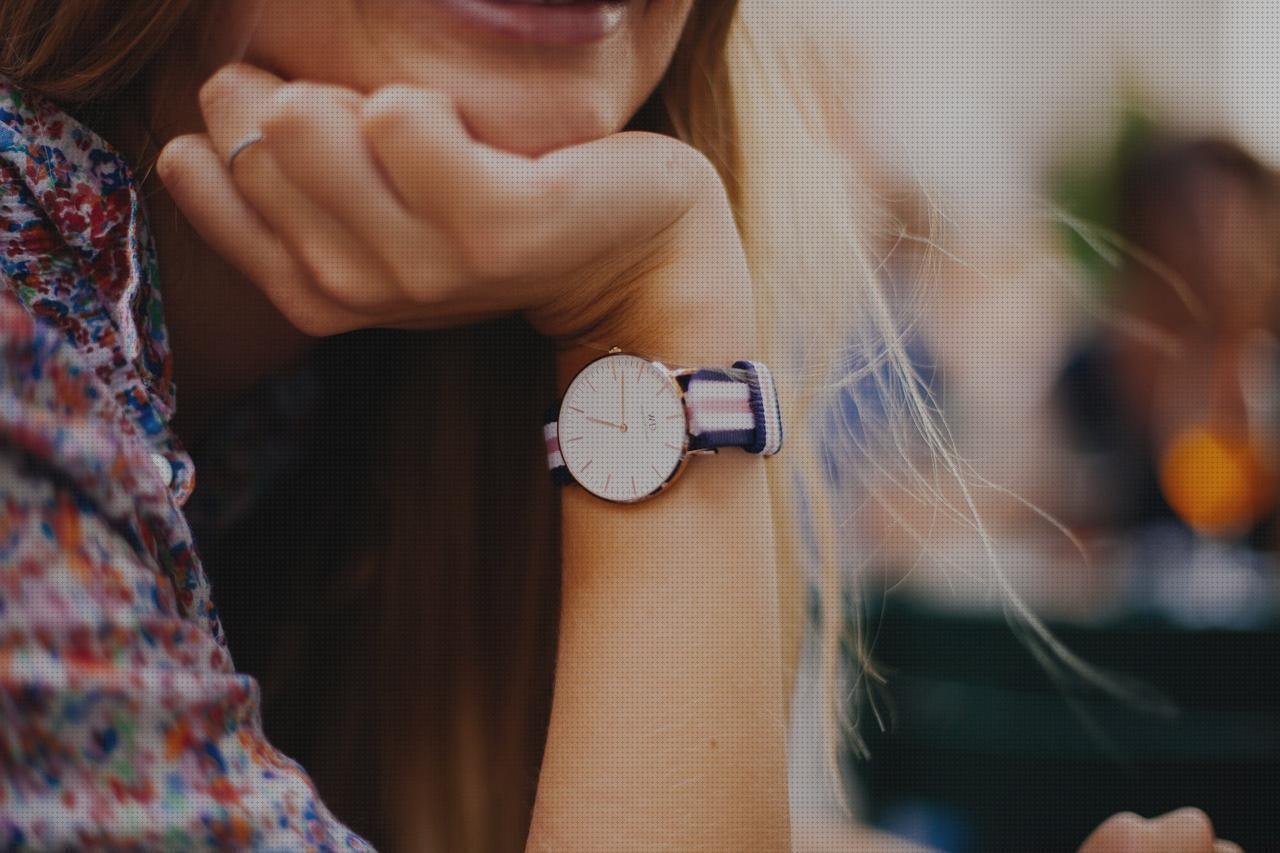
(458, 765)
(827, 326)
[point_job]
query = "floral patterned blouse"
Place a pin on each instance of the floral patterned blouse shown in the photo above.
(123, 724)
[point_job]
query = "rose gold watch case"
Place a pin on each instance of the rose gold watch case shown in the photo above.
(672, 374)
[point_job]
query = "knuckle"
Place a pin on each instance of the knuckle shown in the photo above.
(687, 173)
(688, 160)
(314, 259)
(696, 169)
(291, 105)
(1122, 833)
(311, 254)
(345, 284)
(1195, 822)
(1128, 822)
(306, 314)
(357, 291)
(390, 106)
(311, 321)
(175, 156)
(221, 84)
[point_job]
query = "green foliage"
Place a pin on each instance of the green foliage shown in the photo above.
(1088, 188)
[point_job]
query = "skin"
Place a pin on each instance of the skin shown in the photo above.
(1219, 243)
(479, 178)
(1181, 831)
(668, 719)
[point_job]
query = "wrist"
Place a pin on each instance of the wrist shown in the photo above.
(697, 309)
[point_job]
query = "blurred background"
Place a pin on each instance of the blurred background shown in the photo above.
(1082, 238)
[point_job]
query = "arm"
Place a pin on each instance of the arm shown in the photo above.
(668, 724)
(667, 727)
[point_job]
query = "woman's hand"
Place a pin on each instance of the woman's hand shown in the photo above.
(1183, 831)
(381, 210)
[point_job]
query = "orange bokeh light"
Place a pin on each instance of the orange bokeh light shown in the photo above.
(1215, 482)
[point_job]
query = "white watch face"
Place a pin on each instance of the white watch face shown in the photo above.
(622, 427)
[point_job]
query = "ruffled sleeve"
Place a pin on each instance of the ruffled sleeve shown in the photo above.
(122, 722)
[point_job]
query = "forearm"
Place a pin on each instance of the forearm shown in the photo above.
(668, 727)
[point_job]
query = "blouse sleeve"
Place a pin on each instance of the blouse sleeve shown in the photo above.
(122, 722)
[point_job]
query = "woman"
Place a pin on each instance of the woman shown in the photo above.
(436, 167)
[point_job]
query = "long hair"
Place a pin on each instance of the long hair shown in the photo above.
(415, 683)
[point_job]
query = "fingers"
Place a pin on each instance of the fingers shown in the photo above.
(1183, 831)
(196, 178)
(512, 216)
(315, 132)
(241, 99)
(427, 154)
(444, 176)
(385, 204)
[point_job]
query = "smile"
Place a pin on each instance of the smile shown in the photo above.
(550, 22)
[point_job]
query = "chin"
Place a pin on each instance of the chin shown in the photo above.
(527, 101)
(521, 97)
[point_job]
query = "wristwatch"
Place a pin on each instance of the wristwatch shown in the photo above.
(627, 425)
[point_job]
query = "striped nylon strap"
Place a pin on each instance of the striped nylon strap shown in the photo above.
(724, 411)
(551, 433)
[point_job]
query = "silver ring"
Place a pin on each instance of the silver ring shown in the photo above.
(240, 146)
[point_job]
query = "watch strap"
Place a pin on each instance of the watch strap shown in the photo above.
(733, 411)
(551, 434)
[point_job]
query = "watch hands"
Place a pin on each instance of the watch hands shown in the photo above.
(622, 415)
(622, 427)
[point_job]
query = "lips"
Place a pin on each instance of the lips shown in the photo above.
(550, 22)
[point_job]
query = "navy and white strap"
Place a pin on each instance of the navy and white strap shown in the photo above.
(551, 433)
(724, 411)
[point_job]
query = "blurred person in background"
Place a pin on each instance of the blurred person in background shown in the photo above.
(1176, 401)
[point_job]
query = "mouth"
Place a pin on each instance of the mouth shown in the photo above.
(550, 22)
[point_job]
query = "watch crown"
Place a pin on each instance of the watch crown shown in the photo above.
(614, 350)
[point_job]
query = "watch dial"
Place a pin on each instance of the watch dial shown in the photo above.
(622, 427)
